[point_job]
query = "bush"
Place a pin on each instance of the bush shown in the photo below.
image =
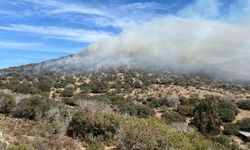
(227, 115)
(95, 144)
(1, 83)
(43, 86)
(185, 110)
(60, 84)
(228, 105)
(67, 92)
(224, 140)
(33, 108)
(18, 147)
(192, 102)
(142, 134)
(137, 85)
(231, 129)
(206, 117)
(98, 87)
(172, 117)
(144, 111)
(153, 102)
(244, 124)
(94, 124)
(126, 107)
(26, 88)
(245, 105)
(149, 134)
(69, 101)
(7, 103)
(84, 87)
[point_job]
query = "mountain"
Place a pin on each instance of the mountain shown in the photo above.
(31, 68)
(87, 61)
(117, 102)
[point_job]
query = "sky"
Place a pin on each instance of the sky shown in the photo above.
(36, 30)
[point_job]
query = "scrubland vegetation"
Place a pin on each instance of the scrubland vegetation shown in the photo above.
(127, 110)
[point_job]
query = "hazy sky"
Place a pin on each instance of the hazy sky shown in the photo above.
(37, 30)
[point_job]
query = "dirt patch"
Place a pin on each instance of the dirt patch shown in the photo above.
(242, 114)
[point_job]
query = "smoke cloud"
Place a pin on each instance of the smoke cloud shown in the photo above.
(199, 38)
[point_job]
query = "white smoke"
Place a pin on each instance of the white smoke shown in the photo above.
(199, 37)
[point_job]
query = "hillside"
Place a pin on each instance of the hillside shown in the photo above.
(125, 75)
(111, 108)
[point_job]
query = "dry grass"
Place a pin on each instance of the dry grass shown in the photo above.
(242, 114)
(36, 135)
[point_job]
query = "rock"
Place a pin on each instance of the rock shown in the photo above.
(141, 97)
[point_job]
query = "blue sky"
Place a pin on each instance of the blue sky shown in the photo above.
(37, 30)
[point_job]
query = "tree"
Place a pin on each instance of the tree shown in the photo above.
(206, 116)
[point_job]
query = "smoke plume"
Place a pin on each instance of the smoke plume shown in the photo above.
(199, 38)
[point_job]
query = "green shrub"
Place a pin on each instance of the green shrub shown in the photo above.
(228, 105)
(192, 102)
(67, 92)
(25, 88)
(18, 147)
(135, 134)
(231, 129)
(225, 141)
(95, 124)
(98, 87)
(227, 115)
(69, 80)
(33, 108)
(95, 144)
(69, 101)
(7, 103)
(172, 117)
(163, 101)
(43, 86)
(244, 124)
(1, 83)
(84, 87)
(185, 110)
(153, 102)
(60, 84)
(149, 134)
(206, 116)
(245, 105)
(126, 107)
(144, 111)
